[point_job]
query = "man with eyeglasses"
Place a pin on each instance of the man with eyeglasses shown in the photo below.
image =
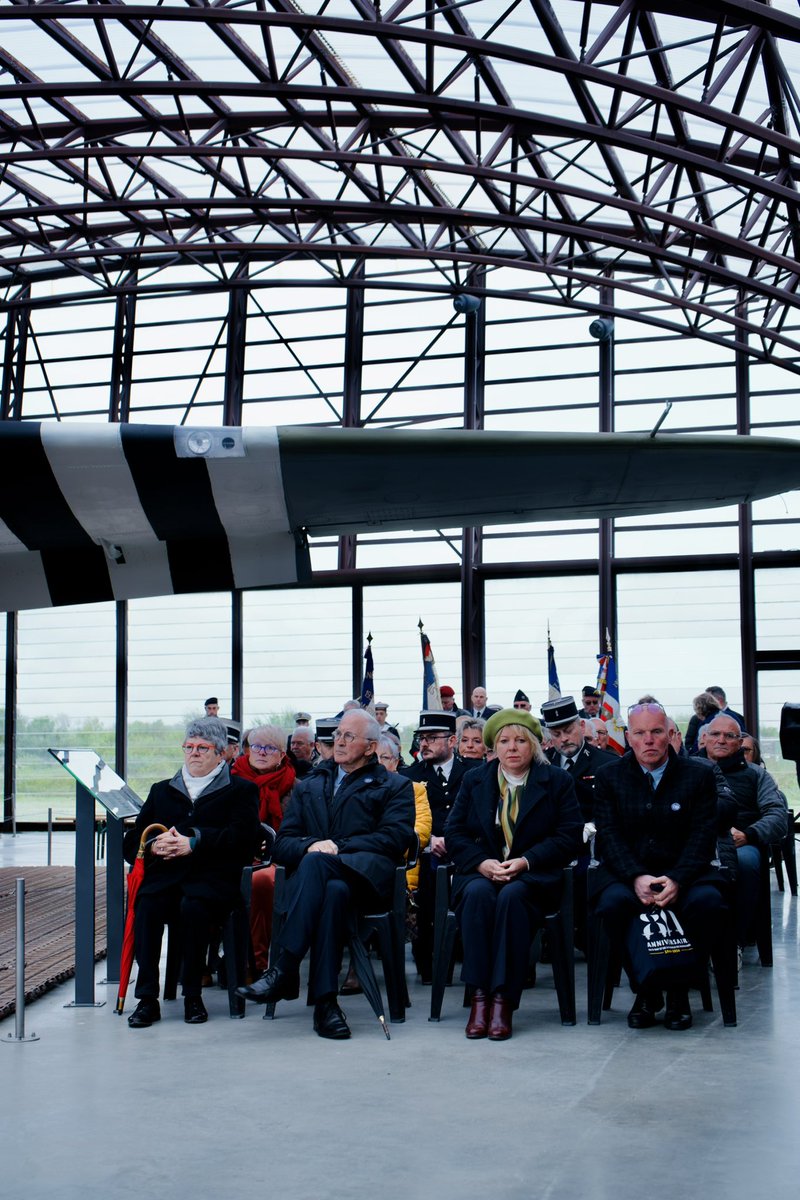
(759, 815)
(195, 868)
(441, 772)
(656, 818)
(347, 826)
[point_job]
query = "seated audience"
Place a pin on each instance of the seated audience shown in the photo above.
(515, 825)
(471, 746)
(705, 706)
(212, 832)
(656, 817)
(760, 817)
(347, 826)
(265, 764)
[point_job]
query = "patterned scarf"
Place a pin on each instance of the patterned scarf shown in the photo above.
(510, 794)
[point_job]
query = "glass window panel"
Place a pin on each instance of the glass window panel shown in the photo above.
(66, 678)
(296, 653)
(678, 633)
(392, 615)
(775, 688)
(179, 652)
(517, 615)
(778, 608)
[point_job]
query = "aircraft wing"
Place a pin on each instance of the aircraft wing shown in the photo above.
(93, 512)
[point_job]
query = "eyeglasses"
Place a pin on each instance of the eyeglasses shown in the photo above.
(263, 749)
(387, 758)
(432, 737)
(651, 708)
(196, 748)
(723, 737)
(348, 738)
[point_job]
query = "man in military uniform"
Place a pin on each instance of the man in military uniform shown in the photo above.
(441, 772)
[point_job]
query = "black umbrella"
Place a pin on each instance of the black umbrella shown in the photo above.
(360, 961)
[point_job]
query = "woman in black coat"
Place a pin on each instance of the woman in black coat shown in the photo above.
(514, 826)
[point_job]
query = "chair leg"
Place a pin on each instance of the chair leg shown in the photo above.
(395, 985)
(599, 948)
(234, 933)
(442, 960)
(723, 956)
(764, 917)
(562, 954)
(788, 851)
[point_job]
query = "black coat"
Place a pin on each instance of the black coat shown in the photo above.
(548, 831)
(589, 761)
(671, 831)
(441, 799)
(224, 820)
(371, 819)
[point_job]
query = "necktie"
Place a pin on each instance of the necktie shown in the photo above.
(651, 783)
(441, 777)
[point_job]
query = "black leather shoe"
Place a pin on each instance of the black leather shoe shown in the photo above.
(146, 1013)
(274, 984)
(645, 1007)
(678, 1015)
(329, 1021)
(194, 1011)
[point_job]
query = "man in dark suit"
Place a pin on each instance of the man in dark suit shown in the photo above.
(212, 832)
(656, 817)
(441, 772)
(346, 827)
(480, 707)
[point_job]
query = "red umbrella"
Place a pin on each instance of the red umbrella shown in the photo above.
(135, 877)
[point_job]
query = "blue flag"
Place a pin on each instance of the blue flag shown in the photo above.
(431, 698)
(553, 686)
(367, 685)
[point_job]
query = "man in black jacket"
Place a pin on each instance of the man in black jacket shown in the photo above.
(212, 832)
(656, 819)
(441, 771)
(346, 828)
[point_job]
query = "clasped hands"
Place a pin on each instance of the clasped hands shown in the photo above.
(643, 886)
(323, 847)
(502, 872)
(171, 845)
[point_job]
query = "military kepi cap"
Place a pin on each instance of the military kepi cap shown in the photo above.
(559, 712)
(326, 727)
(589, 690)
(431, 721)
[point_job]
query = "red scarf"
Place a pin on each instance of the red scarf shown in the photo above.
(272, 787)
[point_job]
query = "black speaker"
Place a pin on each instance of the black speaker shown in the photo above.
(790, 732)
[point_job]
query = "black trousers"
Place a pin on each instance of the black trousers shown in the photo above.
(194, 916)
(702, 909)
(321, 895)
(498, 922)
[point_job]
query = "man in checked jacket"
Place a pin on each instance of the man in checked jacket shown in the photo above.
(656, 817)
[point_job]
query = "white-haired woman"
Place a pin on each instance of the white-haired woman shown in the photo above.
(265, 764)
(514, 826)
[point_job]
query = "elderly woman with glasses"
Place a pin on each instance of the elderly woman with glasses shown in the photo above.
(265, 764)
(211, 832)
(514, 826)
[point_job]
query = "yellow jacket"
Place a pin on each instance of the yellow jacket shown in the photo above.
(423, 824)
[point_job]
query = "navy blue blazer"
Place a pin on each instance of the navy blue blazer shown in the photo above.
(548, 832)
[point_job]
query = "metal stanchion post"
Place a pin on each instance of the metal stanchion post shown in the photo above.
(19, 1012)
(49, 837)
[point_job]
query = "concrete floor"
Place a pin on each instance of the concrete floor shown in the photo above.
(240, 1108)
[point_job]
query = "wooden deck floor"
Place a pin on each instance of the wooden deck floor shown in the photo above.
(49, 929)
